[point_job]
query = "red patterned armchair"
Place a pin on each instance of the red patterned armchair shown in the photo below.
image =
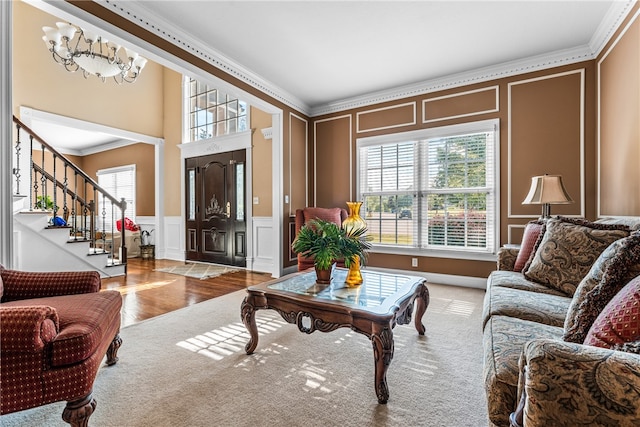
(336, 215)
(56, 328)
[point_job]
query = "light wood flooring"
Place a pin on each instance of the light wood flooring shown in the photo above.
(147, 293)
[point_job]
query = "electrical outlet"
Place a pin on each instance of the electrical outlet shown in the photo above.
(414, 262)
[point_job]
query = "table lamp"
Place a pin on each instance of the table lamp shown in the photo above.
(547, 190)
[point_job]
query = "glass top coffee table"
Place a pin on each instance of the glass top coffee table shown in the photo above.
(372, 309)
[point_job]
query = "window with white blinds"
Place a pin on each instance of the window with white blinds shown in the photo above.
(120, 182)
(433, 189)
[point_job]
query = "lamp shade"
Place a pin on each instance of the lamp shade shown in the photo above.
(547, 189)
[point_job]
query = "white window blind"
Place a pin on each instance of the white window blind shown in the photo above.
(120, 182)
(433, 189)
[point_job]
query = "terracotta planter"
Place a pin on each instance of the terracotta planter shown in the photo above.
(323, 277)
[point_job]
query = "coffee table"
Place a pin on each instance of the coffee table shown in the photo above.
(372, 309)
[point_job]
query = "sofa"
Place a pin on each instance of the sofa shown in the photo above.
(56, 328)
(561, 332)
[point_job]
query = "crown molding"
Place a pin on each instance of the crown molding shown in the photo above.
(147, 19)
(609, 24)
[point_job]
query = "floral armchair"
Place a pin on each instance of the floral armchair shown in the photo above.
(56, 329)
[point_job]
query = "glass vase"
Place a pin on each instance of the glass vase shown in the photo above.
(352, 223)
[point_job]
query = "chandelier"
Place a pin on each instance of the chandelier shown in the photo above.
(76, 48)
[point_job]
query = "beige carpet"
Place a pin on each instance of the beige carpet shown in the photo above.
(188, 368)
(199, 271)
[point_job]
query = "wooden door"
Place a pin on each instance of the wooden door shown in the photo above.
(215, 208)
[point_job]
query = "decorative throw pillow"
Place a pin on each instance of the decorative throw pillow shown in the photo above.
(619, 322)
(568, 249)
(594, 277)
(326, 214)
(531, 233)
(623, 267)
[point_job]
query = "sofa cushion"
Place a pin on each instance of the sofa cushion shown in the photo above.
(503, 341)
(593, 278)
(619, 322)
(568, 249)
(531, 234)
(513, 280)
(617, 271)
(632, 222)
(533, 306)
(84, 321)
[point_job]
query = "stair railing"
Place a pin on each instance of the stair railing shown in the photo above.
(88, 210)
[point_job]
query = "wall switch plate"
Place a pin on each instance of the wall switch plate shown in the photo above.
(256, 201)
(286, 198)
(414, 262)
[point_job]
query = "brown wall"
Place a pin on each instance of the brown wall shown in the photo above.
(546, 123)
(40, 83)
(142, 155)
(262, 169)
(619, 119)
(545, 116)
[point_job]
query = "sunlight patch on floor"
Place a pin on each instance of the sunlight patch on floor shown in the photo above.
(230, 339)
(143, 286)
(451, 306)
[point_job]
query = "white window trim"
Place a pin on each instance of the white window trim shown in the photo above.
(124, 168)
(186, 111)
(442, 131)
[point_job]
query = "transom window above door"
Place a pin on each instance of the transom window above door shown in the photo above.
(210, 112)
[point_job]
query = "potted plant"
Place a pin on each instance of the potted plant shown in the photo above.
(326, 242)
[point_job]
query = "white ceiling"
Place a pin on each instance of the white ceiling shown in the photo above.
(327, 51)
(324, 55)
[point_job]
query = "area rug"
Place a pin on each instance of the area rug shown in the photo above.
(198, 271)
(188, 368)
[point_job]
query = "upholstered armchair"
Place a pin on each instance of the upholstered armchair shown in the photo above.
(336, 215)
(56, 329)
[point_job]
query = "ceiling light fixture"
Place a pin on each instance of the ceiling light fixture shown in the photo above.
(76, 48)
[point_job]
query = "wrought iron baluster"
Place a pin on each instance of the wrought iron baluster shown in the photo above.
(33, 177)
(43, 182)
(65, 208)
(55, 189)
(74, 203)
(16, 169)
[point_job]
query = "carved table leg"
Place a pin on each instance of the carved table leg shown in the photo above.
(77, 413)
(382, 340)
(112, 351)
(422, 302)
(249, 320)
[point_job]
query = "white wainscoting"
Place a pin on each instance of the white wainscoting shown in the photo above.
(173, 234)
(263, 246)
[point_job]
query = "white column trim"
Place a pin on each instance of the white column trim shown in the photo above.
(6, 126)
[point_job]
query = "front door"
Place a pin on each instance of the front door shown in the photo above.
(215, 214)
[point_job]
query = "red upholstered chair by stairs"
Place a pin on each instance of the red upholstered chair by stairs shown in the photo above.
(336, 215)
(55, 331)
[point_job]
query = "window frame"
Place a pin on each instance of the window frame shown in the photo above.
(432, 133)
(130, 212)
(186, 110)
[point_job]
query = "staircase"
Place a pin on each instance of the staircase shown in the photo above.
(56, 188)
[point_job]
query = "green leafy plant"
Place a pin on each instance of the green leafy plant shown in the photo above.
(326, 242)
(45, 202)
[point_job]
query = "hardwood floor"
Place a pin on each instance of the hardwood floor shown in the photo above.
(147, 293)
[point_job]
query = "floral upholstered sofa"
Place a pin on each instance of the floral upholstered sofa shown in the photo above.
(561, 328)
